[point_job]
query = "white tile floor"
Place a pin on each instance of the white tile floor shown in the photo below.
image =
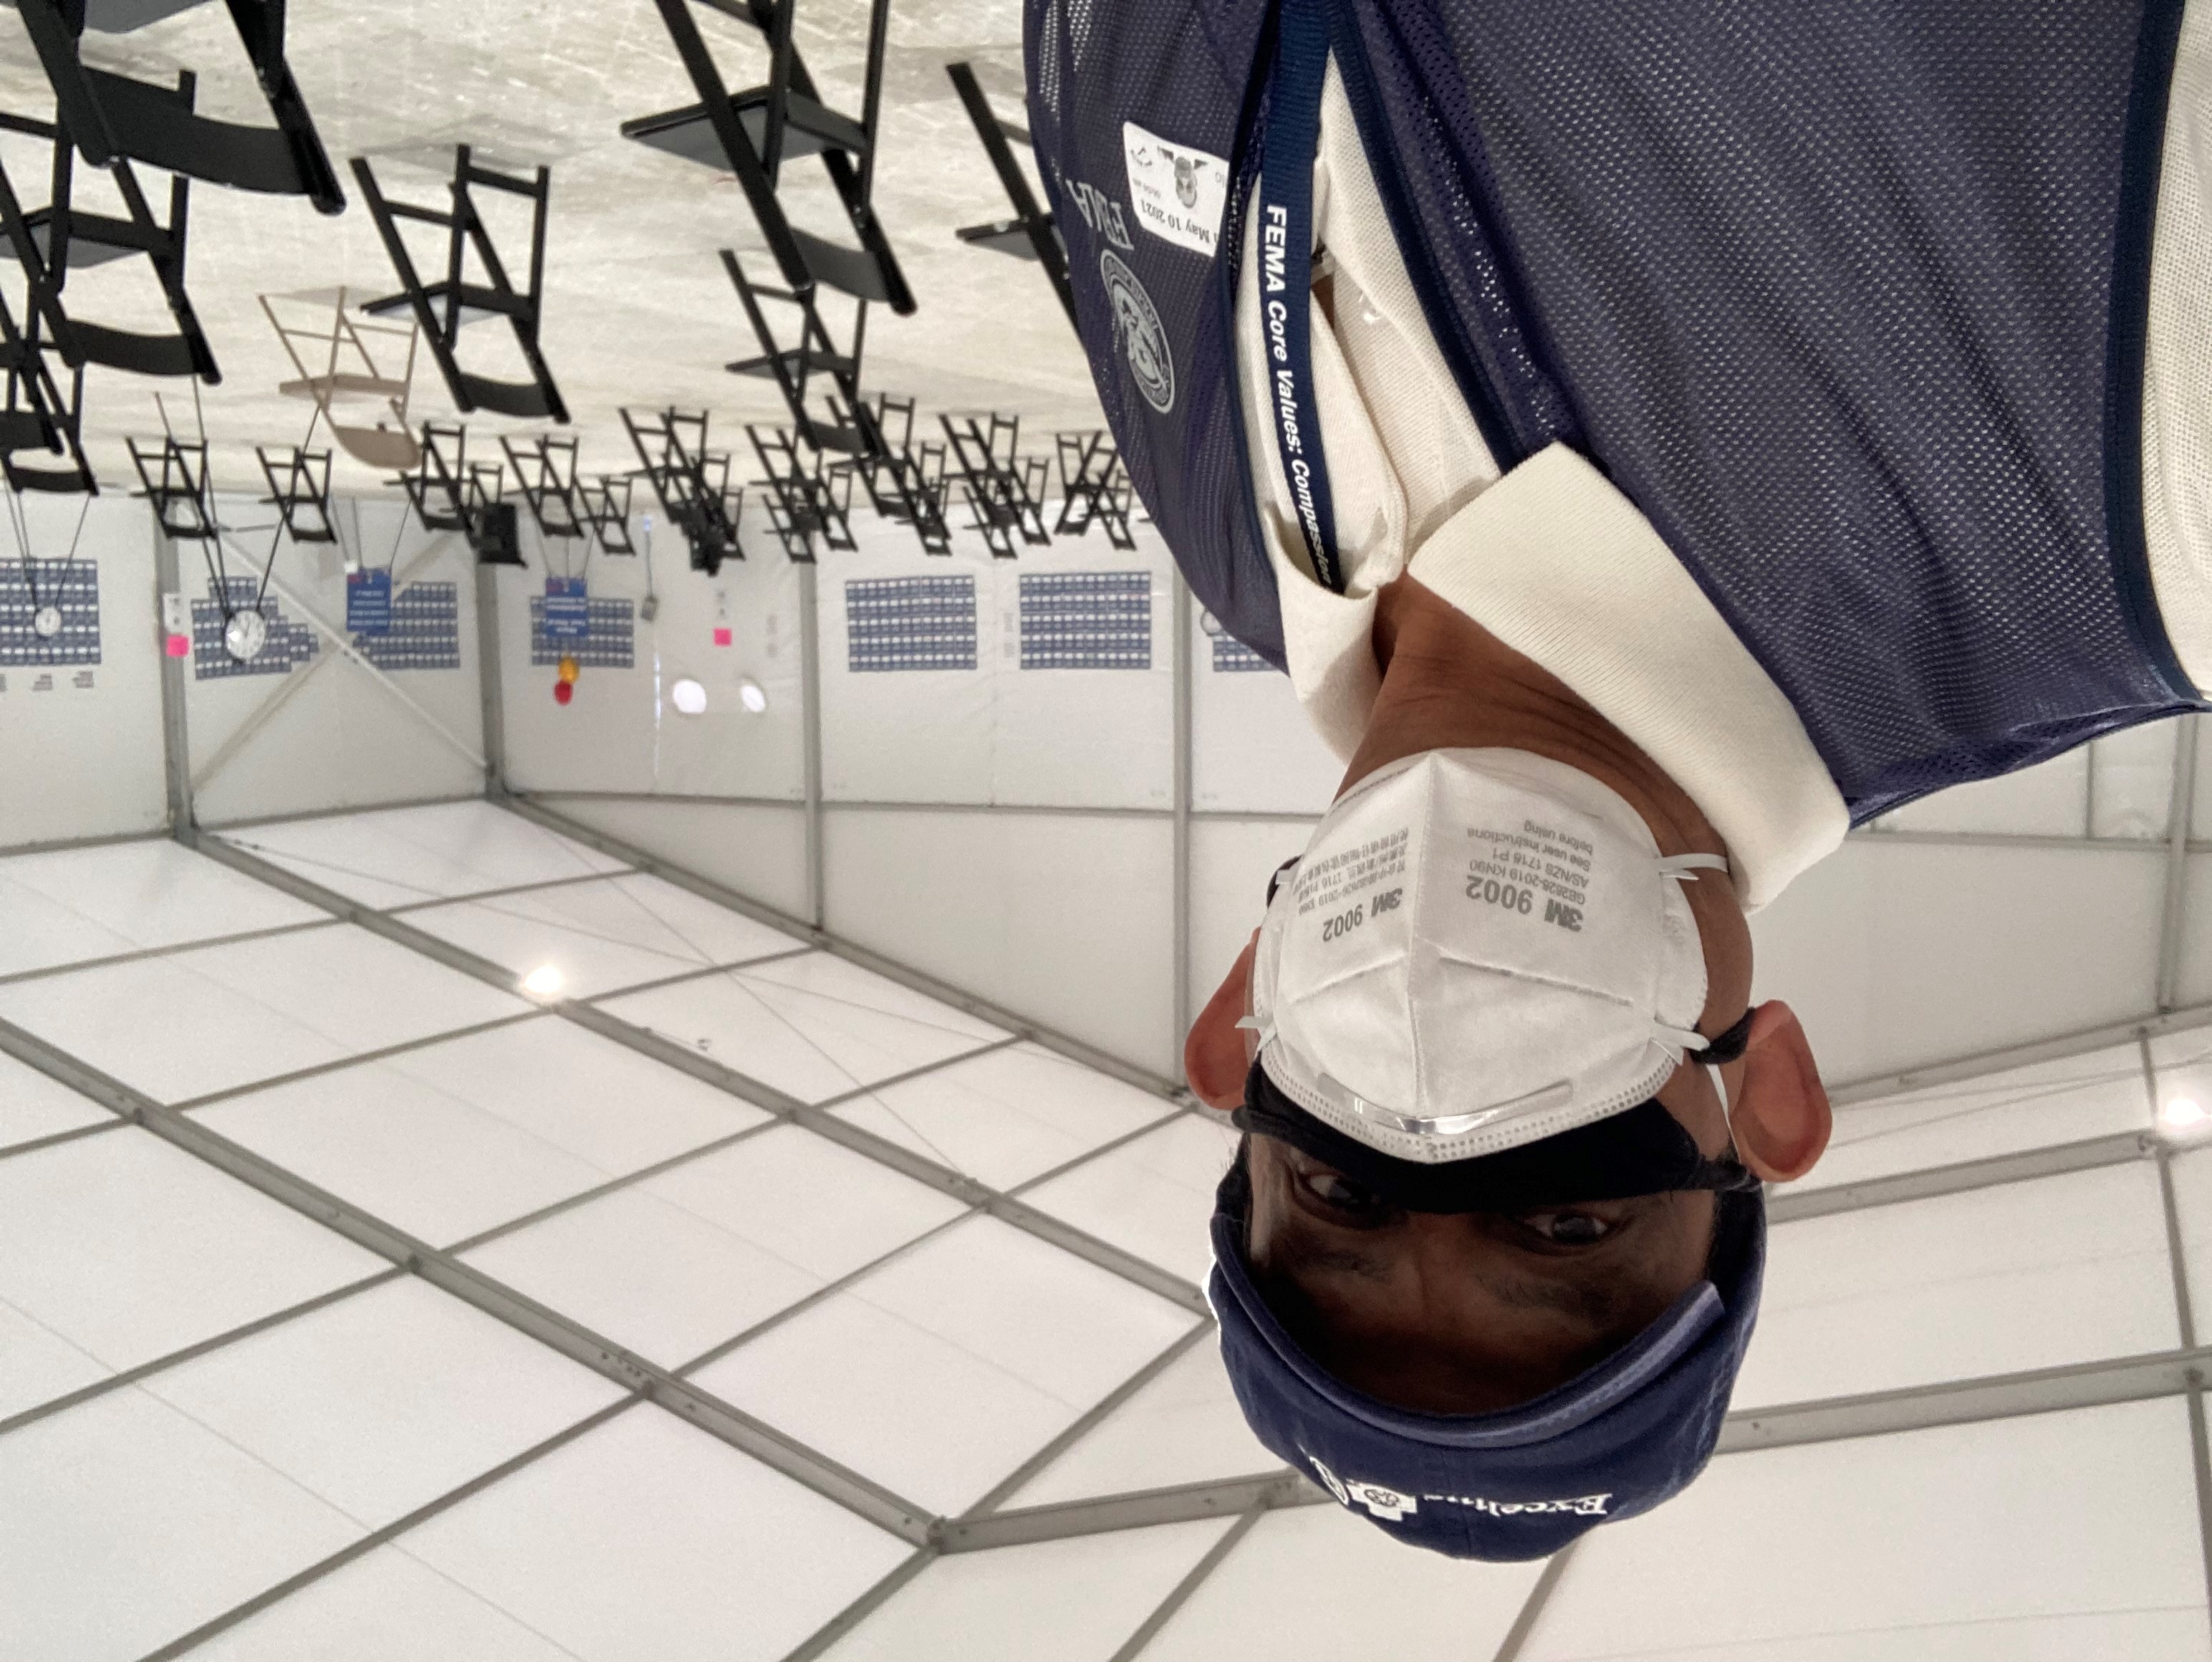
(129, 1249)
(32, 1107)
(1152, 1197)
(216, 1018)
(399, 856)
(65, 905)
(1006, 1116)
(955, 1353)
(602, 935)
(647, 1538)
(1184, 1421)
(814, 1026)
(939, 1375)
(1073, 1599)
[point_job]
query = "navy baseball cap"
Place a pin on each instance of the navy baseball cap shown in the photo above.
(1520, 1483)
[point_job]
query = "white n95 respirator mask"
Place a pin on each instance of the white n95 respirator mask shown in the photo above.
(1478, 949)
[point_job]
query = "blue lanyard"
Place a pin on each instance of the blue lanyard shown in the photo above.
(1286, 162)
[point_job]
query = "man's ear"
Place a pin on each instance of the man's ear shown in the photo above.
(1777, 1107)
(1215, 1058)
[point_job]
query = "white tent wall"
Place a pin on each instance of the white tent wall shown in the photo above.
(82, 741)
(756, 850)
(619, 733)
(1013, 831)
(1063, 918)
(331, 732)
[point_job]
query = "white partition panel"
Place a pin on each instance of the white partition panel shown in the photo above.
(1064, 918)
(1230, 861)
(81, 721)
(1899, 953)
(1252, 749)
(2193, 984)
(997, 731)
(323, 732)
(2050, 800)
(759, 852)
(620, 730)
(2038, 1539)
(2131, 782)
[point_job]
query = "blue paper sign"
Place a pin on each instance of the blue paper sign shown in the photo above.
(368, 602)
(568, 610)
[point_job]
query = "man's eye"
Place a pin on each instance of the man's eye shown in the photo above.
(1568, 1228)
(1332, 1189)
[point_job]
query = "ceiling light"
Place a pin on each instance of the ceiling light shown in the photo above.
(752, 694)
(688, 697)
(544, 980)
(2182, 1114)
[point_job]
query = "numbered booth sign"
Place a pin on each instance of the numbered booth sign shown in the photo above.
(568, 610)
(368, 602)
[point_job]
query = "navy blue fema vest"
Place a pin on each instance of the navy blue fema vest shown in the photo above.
(1848, 297)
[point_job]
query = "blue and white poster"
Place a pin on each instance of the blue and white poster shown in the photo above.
(368, 602)
(568, 610)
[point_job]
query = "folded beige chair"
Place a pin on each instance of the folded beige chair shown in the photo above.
(342, 340)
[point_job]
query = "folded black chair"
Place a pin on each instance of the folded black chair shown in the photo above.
(299, 491)
(175, 475)
(443, 306)
(546, 468)
(1031, 234)
(1095, 488)
(38, 416)
(603, 502)
(806, 499)
(111, 116)
(49, 241)
(450, 493)
(752, 133)
(692, 482)
(904, 481)
(1004, 488)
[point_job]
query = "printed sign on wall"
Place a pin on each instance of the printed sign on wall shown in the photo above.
(568, 610)
(368, 602)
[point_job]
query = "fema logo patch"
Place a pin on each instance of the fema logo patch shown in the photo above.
(1380, 1501)
(1138, 328)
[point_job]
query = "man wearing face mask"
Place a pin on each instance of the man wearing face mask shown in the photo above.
(1655, 438)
